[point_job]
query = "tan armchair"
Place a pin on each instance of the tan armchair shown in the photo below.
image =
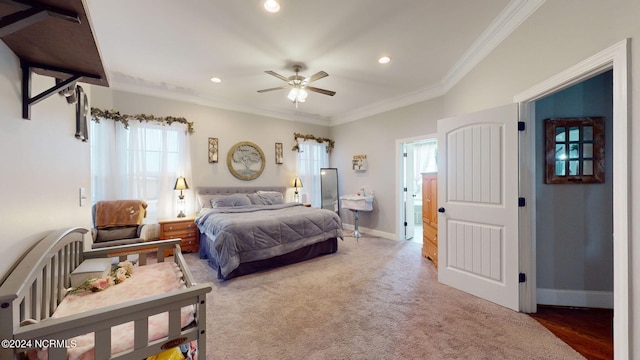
(118, 222)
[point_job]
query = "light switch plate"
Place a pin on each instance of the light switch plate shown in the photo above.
(83, 196)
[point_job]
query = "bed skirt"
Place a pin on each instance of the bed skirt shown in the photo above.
(328, 246)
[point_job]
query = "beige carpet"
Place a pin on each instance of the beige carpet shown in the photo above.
(375, 299)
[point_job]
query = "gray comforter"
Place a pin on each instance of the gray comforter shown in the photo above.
(247, 233)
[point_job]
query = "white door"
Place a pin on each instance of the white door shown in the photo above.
(409, 192)
(478, 204)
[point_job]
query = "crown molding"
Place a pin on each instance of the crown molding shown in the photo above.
(511, 17)
(122, 82)
(507, 22)
(389, 104)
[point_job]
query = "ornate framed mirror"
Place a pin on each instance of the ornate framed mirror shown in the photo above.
(329, 189)
(245, 160)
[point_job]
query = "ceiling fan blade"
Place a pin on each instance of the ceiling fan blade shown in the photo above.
(317, 76)
(277, 75)
(275, 88)
(321, 91)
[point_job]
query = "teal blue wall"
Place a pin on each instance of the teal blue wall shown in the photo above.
(574, 222)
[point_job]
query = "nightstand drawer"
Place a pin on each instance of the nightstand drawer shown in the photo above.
(177, 226)
(179, 234)
(189, 245)
(182, 228)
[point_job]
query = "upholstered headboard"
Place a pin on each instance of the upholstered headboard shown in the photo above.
(205, 194)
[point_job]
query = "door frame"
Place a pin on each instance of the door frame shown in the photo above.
(408, 148)
(400, 174)
(615, 58)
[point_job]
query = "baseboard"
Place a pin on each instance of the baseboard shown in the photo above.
(579, 298)
(348, 229)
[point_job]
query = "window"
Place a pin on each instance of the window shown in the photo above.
(574, 150)
(312, 156)
(141, 162)
(425, 160)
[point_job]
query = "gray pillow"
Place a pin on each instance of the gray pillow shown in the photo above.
(271, 197)
(230, 201)
(255, 199)
(206, 200)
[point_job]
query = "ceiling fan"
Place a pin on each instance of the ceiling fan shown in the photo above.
(299, 85)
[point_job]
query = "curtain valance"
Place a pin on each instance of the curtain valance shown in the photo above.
(320, 140)
(97, 114)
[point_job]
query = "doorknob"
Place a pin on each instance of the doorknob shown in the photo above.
(441, 210)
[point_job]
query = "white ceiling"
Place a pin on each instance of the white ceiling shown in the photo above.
(171, 49)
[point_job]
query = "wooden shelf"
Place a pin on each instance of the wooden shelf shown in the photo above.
(57, 42)
(52, 38)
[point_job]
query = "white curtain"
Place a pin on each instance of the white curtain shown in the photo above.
(426, 155)
(425, 160)
(312, 156)
(141, 162)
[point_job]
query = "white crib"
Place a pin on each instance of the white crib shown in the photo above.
(40, 281)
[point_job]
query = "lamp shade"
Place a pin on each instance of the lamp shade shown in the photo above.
(181, 184)
(296, 183)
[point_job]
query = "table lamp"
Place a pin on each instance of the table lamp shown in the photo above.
(181, 184)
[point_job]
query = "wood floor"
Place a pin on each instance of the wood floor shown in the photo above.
(588, 331)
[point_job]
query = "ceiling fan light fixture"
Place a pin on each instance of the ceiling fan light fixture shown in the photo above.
(299, 85)
(298, 95)
(271, 6)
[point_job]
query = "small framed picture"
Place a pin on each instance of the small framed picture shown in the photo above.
(279, 159)
(359, 162)
(213, 150)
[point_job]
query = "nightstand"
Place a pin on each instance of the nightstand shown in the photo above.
(183, 228)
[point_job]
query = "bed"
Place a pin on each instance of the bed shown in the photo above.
(248, 229)
(40, 318)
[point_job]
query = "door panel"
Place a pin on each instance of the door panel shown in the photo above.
(474, 248)
(478, 194)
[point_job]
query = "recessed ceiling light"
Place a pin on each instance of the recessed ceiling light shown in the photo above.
(216, 80)
(384, 60)
(272, 6)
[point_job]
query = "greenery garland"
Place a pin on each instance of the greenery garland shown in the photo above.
(97, 114)
(296, 136)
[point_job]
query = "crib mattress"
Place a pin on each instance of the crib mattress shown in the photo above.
(148, 280)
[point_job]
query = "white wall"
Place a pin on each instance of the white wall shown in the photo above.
(559, 35)
(376, 137)
(229, 127)
(43, 164)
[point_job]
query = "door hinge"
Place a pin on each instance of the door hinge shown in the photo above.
(404, 189)
(404, 154)
(406, 224)
(521, 126)
(522, 277)
(521, 202)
